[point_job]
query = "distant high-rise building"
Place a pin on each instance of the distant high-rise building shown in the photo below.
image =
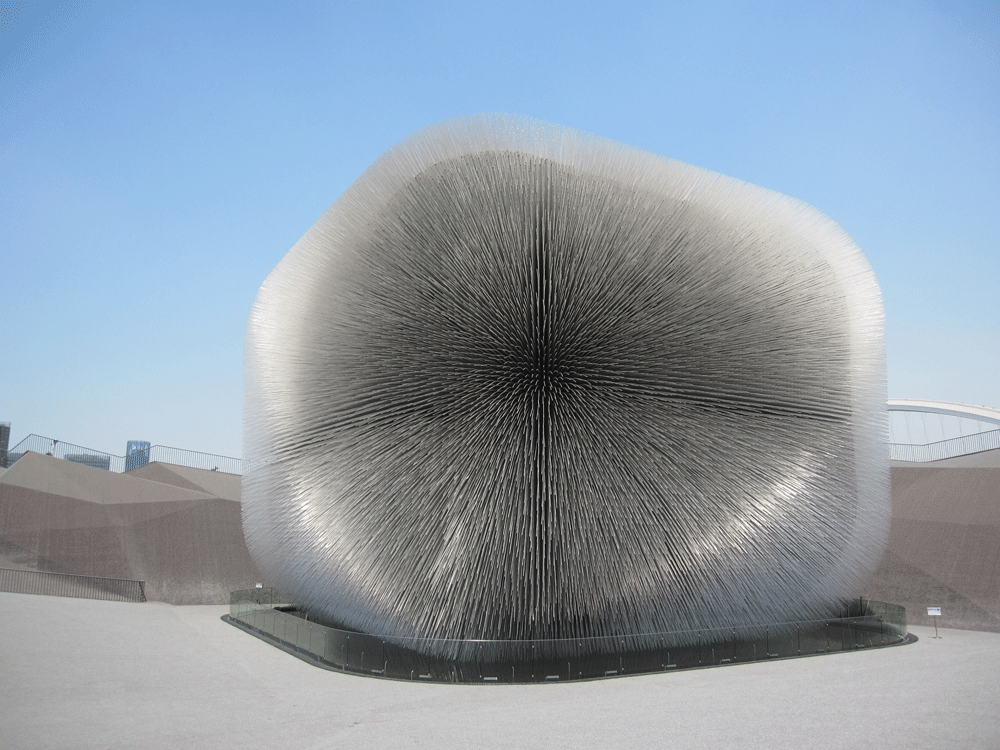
(136, 454)
(4, 443)
(93, 460)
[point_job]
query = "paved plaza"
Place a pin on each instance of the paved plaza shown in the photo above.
(91, 674)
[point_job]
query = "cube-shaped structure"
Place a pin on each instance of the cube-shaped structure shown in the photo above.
(520, 382)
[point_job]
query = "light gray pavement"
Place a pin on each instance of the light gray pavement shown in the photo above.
(90, 674)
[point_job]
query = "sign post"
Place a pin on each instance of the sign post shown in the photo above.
(934, 612)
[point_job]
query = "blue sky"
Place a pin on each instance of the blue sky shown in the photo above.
(158, 159)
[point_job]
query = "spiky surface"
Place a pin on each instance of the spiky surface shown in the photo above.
(520, 382)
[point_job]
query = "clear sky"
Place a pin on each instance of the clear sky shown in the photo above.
(158, 159)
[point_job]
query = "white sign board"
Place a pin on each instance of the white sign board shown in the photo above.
(934, 611)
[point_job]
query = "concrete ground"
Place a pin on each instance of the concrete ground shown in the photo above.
(90, 674)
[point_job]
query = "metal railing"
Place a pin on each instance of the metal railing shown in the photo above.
(951, 448)
(264, 613)
(196, 459)
(120, 464)
(63, 584)
(959, 446)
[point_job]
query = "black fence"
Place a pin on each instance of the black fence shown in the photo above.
(63, 584)
(262, 612)
(134, 460)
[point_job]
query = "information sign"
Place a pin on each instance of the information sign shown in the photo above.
(934, 612)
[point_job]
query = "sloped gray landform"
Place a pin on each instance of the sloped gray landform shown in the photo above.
(944, 546)
(521, 382)
(176, 528)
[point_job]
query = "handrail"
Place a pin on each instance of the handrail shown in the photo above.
(16, 581)
(121, 464)
(267, 615)
(950, 448)
(910, 452)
